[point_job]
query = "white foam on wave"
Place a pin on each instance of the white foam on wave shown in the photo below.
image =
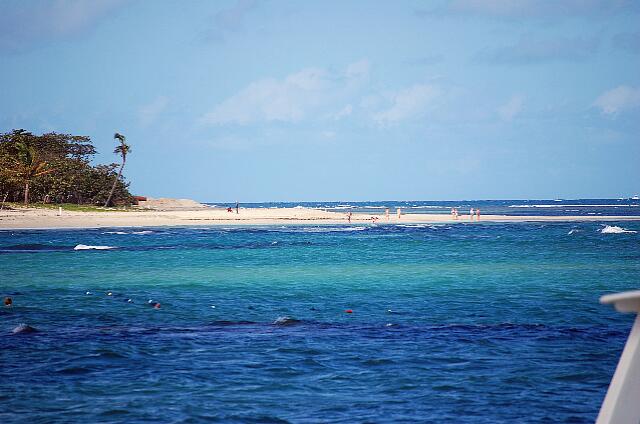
(572, 231)
(614, 229)
(125, 233)
(332, 229)
(431, 226)
(88, 247)
(428, 207)
(573, 206)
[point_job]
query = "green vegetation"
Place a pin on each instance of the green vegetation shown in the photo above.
(123, 149)
(55, 168)
(67, 207)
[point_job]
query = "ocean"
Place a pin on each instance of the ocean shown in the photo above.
(462, 323)
(556, 207)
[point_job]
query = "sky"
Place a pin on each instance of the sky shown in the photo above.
(332, 100)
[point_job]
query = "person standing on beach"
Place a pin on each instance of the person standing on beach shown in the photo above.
(349, 217)
(399, 212)
(477, 214)
(386, 213)
(237, 206)
(471, 213)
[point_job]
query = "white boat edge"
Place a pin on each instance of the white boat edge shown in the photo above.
(622, 403)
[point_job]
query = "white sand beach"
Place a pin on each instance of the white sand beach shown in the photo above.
(183, 212)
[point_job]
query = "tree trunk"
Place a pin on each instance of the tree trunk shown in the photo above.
(26, 192)
(113, 187)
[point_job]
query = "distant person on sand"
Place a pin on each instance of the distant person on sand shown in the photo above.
(471, 213)
(229, 209)
(453, 213)
(386, 213)
(477, 214)
(399, 212)
(237, 206)
(349, 217)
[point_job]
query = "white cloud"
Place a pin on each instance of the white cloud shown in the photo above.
(231, 20)
(511, 108)
(24, 24)
(532, 9)
(530, 50)
(618, 99)
(407, 103)
(310, 92)
(358, 69)
(344, 112)
(319, 95)
(148, 113)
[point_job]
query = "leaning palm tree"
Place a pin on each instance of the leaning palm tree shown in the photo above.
(123, 149)
(27, 167)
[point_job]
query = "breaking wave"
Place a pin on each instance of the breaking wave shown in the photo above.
(614, 229)
(87, 247)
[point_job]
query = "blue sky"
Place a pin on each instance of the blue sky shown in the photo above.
(358, 100)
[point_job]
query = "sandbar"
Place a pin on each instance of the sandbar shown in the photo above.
(198, 215)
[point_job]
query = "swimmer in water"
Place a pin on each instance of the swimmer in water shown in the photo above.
(8, 302)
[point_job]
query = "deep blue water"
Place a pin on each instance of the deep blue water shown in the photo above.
(557, 207)
(464, 323)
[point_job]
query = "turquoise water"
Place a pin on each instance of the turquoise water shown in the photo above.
(475, 323)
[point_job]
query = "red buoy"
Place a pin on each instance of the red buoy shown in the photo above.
(349, 311)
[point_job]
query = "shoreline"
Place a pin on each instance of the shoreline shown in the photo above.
(33, 218)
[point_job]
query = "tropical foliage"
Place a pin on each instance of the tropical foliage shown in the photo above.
(123, 149)
(56, 168)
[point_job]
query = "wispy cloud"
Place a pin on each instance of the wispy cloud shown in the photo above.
(343, 113)
(311, 92)
(628, 41)
(149, 113)
(531, 9)
(617, 100)
(24, 24)
(406, 103)
(511, 108)
(425, 60)
(530, 50)
(230, 20)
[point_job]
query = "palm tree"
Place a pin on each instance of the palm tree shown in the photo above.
(28, 167)
(123, 149)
